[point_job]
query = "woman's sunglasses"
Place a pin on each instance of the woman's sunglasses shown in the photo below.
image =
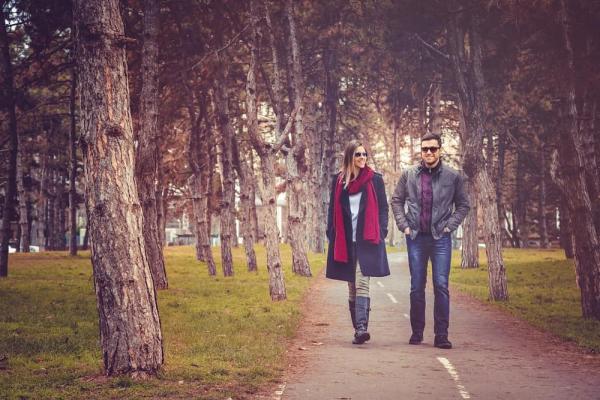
(359, 154)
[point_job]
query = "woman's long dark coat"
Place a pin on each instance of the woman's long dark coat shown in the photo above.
(372, 258)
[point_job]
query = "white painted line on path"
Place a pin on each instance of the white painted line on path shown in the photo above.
(279, 393)
(392, 298)
(452, 371)
(380, 284)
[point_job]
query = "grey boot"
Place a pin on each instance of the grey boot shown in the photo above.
(362, 312)
(352, 309)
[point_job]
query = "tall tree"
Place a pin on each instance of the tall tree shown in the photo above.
(469, 77)
(247, 198)
(147, 150)
(227, 206)
(267, 152)
(122, 279)
(201, 180)
(8, 106)
(574, 165)
(296, 160)
(73, 166)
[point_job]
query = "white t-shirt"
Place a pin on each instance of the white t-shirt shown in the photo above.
(354, 206)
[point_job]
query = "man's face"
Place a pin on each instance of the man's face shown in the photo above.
(430, 152)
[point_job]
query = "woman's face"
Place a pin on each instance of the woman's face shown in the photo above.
(360, 157)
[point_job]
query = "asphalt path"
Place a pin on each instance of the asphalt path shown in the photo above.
(495, 356)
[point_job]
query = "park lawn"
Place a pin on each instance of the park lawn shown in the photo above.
(542, 290)
(222, 336)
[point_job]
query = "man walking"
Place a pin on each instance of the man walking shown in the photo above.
(428, 204)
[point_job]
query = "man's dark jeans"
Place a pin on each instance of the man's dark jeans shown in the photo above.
(421, 249)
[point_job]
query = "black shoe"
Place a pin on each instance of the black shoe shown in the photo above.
(442, 342)
(416, 338)
(360, 337)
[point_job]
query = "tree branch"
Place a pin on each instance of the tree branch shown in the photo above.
(432, 48)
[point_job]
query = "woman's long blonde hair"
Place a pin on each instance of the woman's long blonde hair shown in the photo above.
(348, 166)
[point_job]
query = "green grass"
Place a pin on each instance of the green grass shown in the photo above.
(542, 290)
(222, 336)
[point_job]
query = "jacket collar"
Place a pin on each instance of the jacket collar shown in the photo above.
(434, 171)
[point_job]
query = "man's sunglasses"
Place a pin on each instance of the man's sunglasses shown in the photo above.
(432, 149)
(359, 154)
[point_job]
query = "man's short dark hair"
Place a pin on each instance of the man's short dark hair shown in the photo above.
(430, 136)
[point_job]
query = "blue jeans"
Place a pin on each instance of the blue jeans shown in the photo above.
(420, 250)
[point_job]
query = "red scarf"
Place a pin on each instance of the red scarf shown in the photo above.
(371, 225)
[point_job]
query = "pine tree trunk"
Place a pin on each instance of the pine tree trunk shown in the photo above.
(543, 224)
(500, 177)
(61, 206)
(73, 169)
(573, 162)
(122, 278)
(86, 236)
(206, 218)
(161, 204)
(296, 161)
(471, 87)
(520, 208)
(201, 181)
(276, 279)
(228, 196)
(436, 105)
(266, 152)
(23, 195)
(8, 96)
(470, 240)
(247, 183)
(147, 149)
(331, 112)
(566, 232)
(592, 163)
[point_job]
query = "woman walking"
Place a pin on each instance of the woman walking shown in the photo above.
(357, 224)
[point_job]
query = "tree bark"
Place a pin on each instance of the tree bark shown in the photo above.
(228, 196)
(247, 196)
(328, 161)
(130, 332)
(500, 176)
(202, 167)
(161, 203)
(266, 151)
(470, 240)
(73, 169)
(148, 148)
(8, 104)
(436, 105)
(471, 87)
(23, 195)
(42, 199)
(296, 161)
(543, 224)
(566, 232)
(520, 209)
(573, 163)
(60, 204)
